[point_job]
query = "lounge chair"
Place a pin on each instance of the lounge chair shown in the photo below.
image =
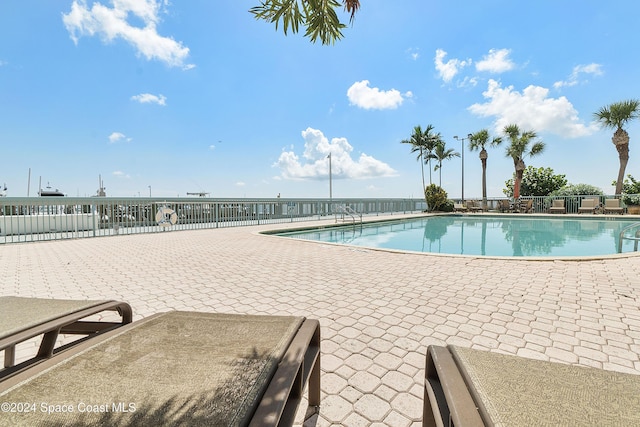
(526, 206)
(459, 207)
(24, 318)
(178, 368)
(475, 206)
(588, 206)
(466, 387)
(613, 206)
(557, 206)
(504, 206)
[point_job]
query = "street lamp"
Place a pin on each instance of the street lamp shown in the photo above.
(149, 191)
(330, 185)
(462, 141)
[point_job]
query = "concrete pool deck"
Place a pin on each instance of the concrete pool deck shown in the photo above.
(378, 310)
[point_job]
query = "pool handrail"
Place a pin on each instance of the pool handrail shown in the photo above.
(635, 239)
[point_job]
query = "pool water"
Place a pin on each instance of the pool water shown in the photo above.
(521, 236)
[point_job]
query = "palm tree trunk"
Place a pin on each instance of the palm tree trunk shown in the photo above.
(520, 167)
(621, 141)
(624, 159)
(483, 159)
(422, 164)
(440, 172)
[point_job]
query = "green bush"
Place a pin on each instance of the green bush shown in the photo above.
(536, 182)
(436, 197)
(448, 206)
(631, 191)
(578, 190)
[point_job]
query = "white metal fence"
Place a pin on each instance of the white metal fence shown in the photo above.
(27, 219)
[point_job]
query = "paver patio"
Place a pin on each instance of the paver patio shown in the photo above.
(378, 310)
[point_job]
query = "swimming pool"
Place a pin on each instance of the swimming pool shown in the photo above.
(520, 236)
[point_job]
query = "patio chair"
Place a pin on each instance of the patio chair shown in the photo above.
(475, 206)
(25, 318)
(178, 368)
(459, 207)
(526, 206)
(588, 206)
(613, 206)
(504, 206)
(465, 387)
(557, 206)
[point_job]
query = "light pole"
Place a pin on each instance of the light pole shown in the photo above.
(149, 191)
(462, 148)
(330, 186)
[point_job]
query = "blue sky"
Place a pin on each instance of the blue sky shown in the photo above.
(191, 96)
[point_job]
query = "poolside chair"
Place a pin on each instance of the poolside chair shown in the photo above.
(459, 207)
(613, 206)
(178, 368)
(588, 206)
(475, 206)
(557, 206)
(526, 206)
(25, 318)
(504, 206)
(465, 387)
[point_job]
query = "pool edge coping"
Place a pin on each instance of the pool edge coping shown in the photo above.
(624, 255)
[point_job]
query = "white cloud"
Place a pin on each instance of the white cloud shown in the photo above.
(316, 162)
(120, 174)
(117, 137)
(212, 147)
(532, 109)
(147, 98)
(592, 69)
(414, 53)
(448, 70)
(496, 61)
(240, 184)
(112, 23)
(363, 96)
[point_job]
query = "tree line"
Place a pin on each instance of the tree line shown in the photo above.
(429, 145)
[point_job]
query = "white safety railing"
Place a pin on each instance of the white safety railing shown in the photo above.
(26, 219)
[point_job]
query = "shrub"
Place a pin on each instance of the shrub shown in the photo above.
(448, 206)
(578, 190)
(631, 191)
(436, 197)
(536, 182)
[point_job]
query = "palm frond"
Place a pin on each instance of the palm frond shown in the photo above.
(352, 7)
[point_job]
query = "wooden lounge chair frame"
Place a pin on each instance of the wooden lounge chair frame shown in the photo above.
(299, 366)
(66, 320)
(465, 387)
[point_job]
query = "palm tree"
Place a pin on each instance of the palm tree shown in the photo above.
(417, 145)
(441, 153)
(518, 149)
(478, 141)
(423, 142)
(431, 142)
(318, 17)
(615, 116)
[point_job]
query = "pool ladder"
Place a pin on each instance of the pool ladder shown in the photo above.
(635, 238)
(348, 210)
